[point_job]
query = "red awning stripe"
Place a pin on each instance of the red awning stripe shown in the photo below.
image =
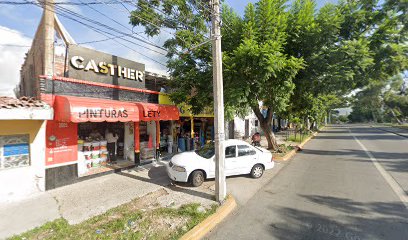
(80, 109)
(77, 109)
(157, 112)
(72, 80)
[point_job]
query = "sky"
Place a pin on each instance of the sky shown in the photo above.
(18, 24)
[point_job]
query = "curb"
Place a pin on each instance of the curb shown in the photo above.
(293, 152)
(210, 222)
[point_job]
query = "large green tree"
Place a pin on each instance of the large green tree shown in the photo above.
(256, 66)
(383, 24)
(333, 65)
(297, 62)
(259, 72)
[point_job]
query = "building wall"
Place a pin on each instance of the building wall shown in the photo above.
(33, 66)
(18, 183)
(129, 141)
(239, 126)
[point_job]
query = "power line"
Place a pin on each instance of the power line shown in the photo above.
(55, 3)
(149, 42)
(62, 11)
(167, 18)
(155, 25)
(104, 26)
(101, 40)
(211, 13)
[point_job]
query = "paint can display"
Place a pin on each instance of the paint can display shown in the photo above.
(87, 155)
(96, 146)
(95, 154)
(87, 147)
(96, 162)
(103, 145)
(103, 157)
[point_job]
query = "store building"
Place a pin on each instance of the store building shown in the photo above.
(97, 97)
(190, 131)
(22, 147)
(243, 128)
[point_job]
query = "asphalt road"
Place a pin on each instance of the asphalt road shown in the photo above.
(349, 182)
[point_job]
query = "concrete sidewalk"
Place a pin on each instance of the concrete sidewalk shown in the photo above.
(89, 198)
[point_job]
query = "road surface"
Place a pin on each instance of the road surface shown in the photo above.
(350, 182)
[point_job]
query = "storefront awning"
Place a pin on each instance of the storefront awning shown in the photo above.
(78, 109)
(157, 112)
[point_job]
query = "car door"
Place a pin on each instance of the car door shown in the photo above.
(231, 160)
(246, 158)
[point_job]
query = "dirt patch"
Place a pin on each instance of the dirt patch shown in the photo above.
(149, 201)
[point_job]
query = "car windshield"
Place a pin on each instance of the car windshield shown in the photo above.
(207, 151)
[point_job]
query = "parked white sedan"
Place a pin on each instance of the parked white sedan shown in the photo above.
(240, 158)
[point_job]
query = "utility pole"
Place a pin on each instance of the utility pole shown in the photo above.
(220, 185)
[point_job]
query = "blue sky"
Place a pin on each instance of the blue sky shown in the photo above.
(18, 24)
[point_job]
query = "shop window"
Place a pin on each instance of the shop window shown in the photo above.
(244, 150)
(14, 151)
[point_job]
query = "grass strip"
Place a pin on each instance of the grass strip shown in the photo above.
(126, 222)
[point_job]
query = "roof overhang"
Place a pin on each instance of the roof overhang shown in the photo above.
(26, 114)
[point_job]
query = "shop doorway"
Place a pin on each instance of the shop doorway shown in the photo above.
(97, 150)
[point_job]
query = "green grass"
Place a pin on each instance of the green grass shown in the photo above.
(125, 222)
(298, 137)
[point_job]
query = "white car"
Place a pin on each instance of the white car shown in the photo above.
(240, 158)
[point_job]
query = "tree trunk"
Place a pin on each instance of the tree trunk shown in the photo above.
(395, 116)
(272, 143)
(266, 126)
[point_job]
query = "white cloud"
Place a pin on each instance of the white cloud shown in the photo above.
(11, 58)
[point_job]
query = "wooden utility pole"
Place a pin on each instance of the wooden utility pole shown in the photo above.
(220, 185)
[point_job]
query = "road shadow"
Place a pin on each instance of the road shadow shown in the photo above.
(357, 222)
(392, 161)
(158, 176)
(365, 133)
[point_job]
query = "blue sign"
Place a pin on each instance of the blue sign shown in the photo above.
(15, 149)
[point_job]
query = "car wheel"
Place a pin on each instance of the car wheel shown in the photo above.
(197, 178)
(257, 171)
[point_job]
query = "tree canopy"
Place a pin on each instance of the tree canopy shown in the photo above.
(289, 59)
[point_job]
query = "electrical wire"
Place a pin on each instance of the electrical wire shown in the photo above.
(123, 26)
(155, 25)
(104, 26)
(168, 18)
(55, 3)
(104, 33)
(101, 40)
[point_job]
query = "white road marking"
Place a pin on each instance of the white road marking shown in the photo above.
(388, 178)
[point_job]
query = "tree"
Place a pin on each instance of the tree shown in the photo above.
(295, 63)
(384, 25)
(367, 104)
(256, 67)
(333, 66)
(188, 46)
(258, 70)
